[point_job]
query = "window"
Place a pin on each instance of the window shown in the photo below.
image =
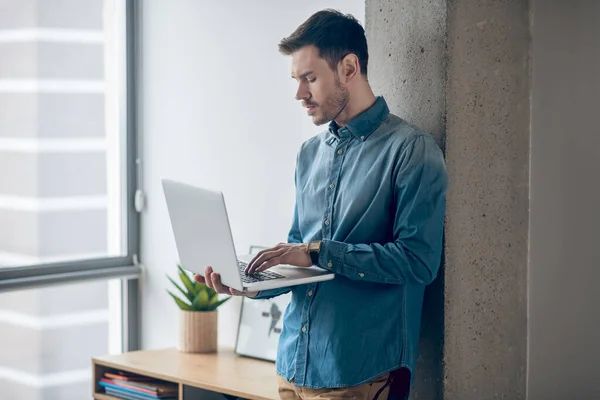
(48, 336)
(68, 225)
(63, 147)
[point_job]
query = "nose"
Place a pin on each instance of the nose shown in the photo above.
(302, 93)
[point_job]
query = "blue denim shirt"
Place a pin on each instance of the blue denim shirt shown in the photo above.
(374, 192)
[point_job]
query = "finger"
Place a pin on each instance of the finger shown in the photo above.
(258, 261)
(262, 259)
(269, 264)
(256, 257)
(217, 285)
(259, 258)
(208, 277)
(199, 278)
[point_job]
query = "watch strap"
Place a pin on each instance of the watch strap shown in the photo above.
(314, 248)
(314, 257)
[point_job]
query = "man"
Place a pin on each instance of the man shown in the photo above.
(370, 205)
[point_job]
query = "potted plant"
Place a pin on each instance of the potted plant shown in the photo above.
(197, 315)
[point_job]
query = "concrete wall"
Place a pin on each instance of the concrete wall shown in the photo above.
(564, 320)
(416, 93)
(487, 222)
(218, 110)
(487, 149)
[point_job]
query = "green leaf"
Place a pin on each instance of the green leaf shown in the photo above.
(200, 303)
(187, 295)
(212, 294)
(182, 304)
(187, 282)
(214, 306)
(212, 300)
(201, 286)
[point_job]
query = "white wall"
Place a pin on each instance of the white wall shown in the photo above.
(564, 315)
(218, 110)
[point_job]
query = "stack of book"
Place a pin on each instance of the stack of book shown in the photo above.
(128, 386)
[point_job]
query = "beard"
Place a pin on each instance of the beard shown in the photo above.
(333, 104)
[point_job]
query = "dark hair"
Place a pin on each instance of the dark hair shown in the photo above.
(334, 34)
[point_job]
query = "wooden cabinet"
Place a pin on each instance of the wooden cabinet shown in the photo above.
(218, 375)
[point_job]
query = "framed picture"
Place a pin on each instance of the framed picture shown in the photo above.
(261, 322)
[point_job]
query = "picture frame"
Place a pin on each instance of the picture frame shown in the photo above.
(260, 324)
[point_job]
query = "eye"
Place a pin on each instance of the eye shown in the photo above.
(312, 80)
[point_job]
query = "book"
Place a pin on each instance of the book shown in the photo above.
(131, 396)
(130, 392)
(155, 388)
(126, 376)
(131, 387)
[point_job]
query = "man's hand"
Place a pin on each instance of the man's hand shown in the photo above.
(283, 253)
(213, 281)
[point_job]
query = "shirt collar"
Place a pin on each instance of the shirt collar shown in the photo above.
(363, 125)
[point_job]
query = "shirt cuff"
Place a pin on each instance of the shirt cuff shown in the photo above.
(331, 255)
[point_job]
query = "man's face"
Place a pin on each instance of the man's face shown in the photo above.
(319, 87)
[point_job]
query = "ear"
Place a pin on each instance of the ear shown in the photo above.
(349, 67)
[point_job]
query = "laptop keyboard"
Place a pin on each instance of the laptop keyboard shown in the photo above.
(256, 277)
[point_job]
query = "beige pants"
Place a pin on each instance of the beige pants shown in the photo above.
(287, 391)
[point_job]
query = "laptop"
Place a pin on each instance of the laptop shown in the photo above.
(203, 238)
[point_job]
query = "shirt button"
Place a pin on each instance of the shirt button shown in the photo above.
(340, 151)
(326, 222)
(330, 264)
(331, 186)
(361, 275)
(309, 293)
(303, 329)
(362, 138)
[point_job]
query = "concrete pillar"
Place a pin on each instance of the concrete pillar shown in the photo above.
(487, 154)
(407, 42)
(481, 51)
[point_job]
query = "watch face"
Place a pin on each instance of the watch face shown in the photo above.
(313, 246)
